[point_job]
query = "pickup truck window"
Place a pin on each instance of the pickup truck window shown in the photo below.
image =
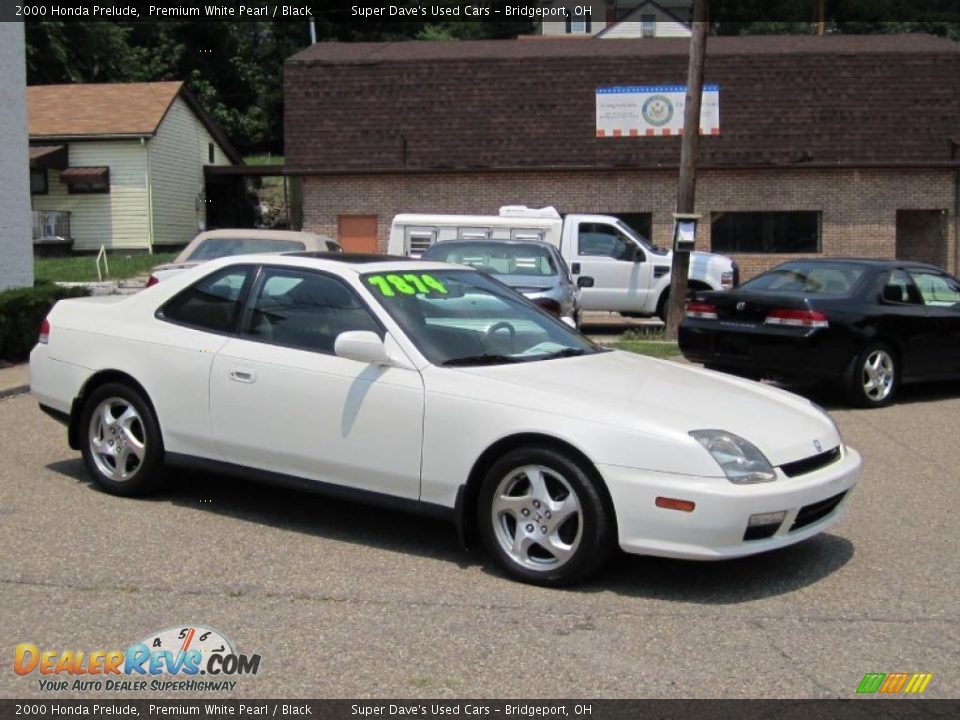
(601, 240)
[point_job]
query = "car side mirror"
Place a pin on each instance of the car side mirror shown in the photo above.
(584, 281)
(363, 346)
(631, 253)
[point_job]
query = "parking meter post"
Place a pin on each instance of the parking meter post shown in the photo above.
(687, 183)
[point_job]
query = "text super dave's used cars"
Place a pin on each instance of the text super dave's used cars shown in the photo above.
(436, 388)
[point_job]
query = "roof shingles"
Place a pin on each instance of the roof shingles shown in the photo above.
(82, 110)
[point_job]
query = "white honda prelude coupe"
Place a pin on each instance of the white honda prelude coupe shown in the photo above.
(435, 388)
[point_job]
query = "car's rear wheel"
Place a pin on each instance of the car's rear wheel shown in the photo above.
(122, 446)
(543, 518)
(874, 380)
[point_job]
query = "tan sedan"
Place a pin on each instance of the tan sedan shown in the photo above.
(215, 244)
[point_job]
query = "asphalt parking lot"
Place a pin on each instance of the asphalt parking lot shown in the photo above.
(346, 601)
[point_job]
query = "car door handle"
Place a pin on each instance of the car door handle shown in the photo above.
(244, 375)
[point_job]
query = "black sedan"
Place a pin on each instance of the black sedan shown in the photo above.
(869, 324)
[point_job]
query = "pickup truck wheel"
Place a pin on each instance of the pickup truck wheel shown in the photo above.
(543, 519)
(662, 306)
(121, 441)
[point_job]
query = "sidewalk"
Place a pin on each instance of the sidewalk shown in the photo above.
(14, 380)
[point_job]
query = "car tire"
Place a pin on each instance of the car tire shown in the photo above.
(662, 308)
(120, 440)
(874, 377)
(543, 518)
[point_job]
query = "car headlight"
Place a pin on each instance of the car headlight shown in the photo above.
(739, 459)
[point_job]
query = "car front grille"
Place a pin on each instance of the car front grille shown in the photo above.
(810, 514)
(814, 462)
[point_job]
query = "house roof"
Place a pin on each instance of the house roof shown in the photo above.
(636, 16)
(96, 110)
(503, 104)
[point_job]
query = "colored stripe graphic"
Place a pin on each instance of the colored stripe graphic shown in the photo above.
(893, 683)
(918, 683)
(871, 682)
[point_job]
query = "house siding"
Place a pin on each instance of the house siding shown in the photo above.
(118, 220)
(858, 207)
(178, 154)
(16, 250)
(633, 28)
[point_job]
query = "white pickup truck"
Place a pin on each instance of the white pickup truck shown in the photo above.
(615, 268)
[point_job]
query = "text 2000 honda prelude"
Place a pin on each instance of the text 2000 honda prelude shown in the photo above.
(435, 387)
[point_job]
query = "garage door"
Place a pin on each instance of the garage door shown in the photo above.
(358, 233)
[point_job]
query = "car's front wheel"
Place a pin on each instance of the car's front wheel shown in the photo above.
(122, 446)
(874, 378)
(543, 518)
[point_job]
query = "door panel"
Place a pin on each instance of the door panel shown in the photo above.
(941, 297)
(281, 400)
(619, 283)
(318, 416)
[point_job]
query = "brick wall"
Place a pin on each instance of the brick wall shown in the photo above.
(859, 207)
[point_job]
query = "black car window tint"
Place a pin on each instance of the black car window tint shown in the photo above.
(306, 310)
(900, 289)
(214, 303)
(937, 290)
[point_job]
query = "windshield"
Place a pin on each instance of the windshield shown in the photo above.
(497, 258)
(214, 248)
(463, 317)
(808, 278)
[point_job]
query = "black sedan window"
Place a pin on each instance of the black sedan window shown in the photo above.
(937, 289)
(808, 278)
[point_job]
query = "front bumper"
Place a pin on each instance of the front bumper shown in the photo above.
(716, 528)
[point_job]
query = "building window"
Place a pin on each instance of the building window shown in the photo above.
(648, 25)
(578, 23)
(211, 153)
(766, 232)
(84, 180)
(38, 181)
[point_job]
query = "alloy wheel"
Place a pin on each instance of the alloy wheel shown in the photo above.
(117, 439)
(537, 518)
(878, 375)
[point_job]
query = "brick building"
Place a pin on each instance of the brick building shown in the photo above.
(833, 146)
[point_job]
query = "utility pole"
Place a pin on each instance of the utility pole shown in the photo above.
(687, 184)
(821, 17)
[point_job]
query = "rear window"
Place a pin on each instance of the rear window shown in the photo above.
(802, 278)
(214, 248)
(213, 303)
(493, 258)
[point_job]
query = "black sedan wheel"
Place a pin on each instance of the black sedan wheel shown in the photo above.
(874, 379)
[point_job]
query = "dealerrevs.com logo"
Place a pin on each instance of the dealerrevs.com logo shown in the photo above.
(181, 658)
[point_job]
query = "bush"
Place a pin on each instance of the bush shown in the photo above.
(21, 312)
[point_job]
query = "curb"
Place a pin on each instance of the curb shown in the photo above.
(15, 390)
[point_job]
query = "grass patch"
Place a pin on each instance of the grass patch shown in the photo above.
(648, 341)
(83, 268)
(266, 159)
